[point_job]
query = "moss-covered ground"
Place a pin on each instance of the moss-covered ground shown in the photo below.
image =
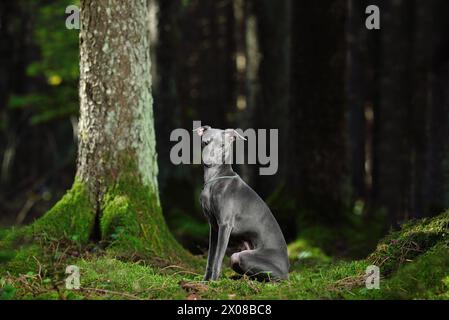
(414, 264)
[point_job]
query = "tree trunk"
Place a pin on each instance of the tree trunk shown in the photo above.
(317, 138)
(392, 116)
(269, 64)
(167, 106)
(205, 67)
(424, 39)
(357, 97)
(274, 24)
(437, 178)
(115, 195)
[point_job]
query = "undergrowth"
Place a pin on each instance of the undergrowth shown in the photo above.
(414, 264)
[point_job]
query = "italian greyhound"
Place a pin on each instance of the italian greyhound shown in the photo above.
(239, 219)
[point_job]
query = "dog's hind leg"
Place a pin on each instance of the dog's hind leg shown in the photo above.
(260, 264)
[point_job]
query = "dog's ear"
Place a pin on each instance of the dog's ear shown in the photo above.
(200, 131)
(233, 135)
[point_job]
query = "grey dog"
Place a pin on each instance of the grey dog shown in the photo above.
(239, 219)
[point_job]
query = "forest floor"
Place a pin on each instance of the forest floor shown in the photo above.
(414, 264)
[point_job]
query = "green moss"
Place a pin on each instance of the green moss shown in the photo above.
(302, 254)
(3, 233)
(132, 279)
(131, 222)
(72, 217)
(414, 261)
(23, 260)
(414, 239)
(318, 282)
(118, 218)
(104, 277)
(354, 237)
(425, 278)
(184, 225)
(131, 218)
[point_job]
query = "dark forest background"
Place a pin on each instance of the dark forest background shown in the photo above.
(363, 115)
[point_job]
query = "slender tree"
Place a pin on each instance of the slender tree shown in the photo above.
(205, 67)
(392, 150)
(15, 30)
(268, 95)
(424, 37)
(357, 96)
(274, 23)
(317, 138)
(437, 177)
(167, 108)
(246, 81)
(196, 67)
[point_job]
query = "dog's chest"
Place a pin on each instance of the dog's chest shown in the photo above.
(206, 200)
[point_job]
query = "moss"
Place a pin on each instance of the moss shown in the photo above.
(186, 226)
(311, 283)
(132, 221)
(105, 277)
(414, 261)
(20, 261)
(118, 218)
(302, 254)
(426, 278)
(72, 217)
(133, 279)
(3, 233)
(414, 239)
(354, 237)
(131, 218)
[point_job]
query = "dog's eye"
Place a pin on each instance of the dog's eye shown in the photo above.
(205, 142)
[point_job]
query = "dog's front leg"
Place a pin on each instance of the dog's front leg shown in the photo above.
(213, 236)
(224, 231)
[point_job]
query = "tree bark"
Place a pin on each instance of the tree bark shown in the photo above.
(115, 94)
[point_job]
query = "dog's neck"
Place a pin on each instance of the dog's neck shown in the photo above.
(217, 171)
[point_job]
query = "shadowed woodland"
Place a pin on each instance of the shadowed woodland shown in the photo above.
(363, 120)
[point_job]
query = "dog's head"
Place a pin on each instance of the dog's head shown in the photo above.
(216, 144)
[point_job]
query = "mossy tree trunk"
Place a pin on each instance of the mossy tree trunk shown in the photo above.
(115, 196)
